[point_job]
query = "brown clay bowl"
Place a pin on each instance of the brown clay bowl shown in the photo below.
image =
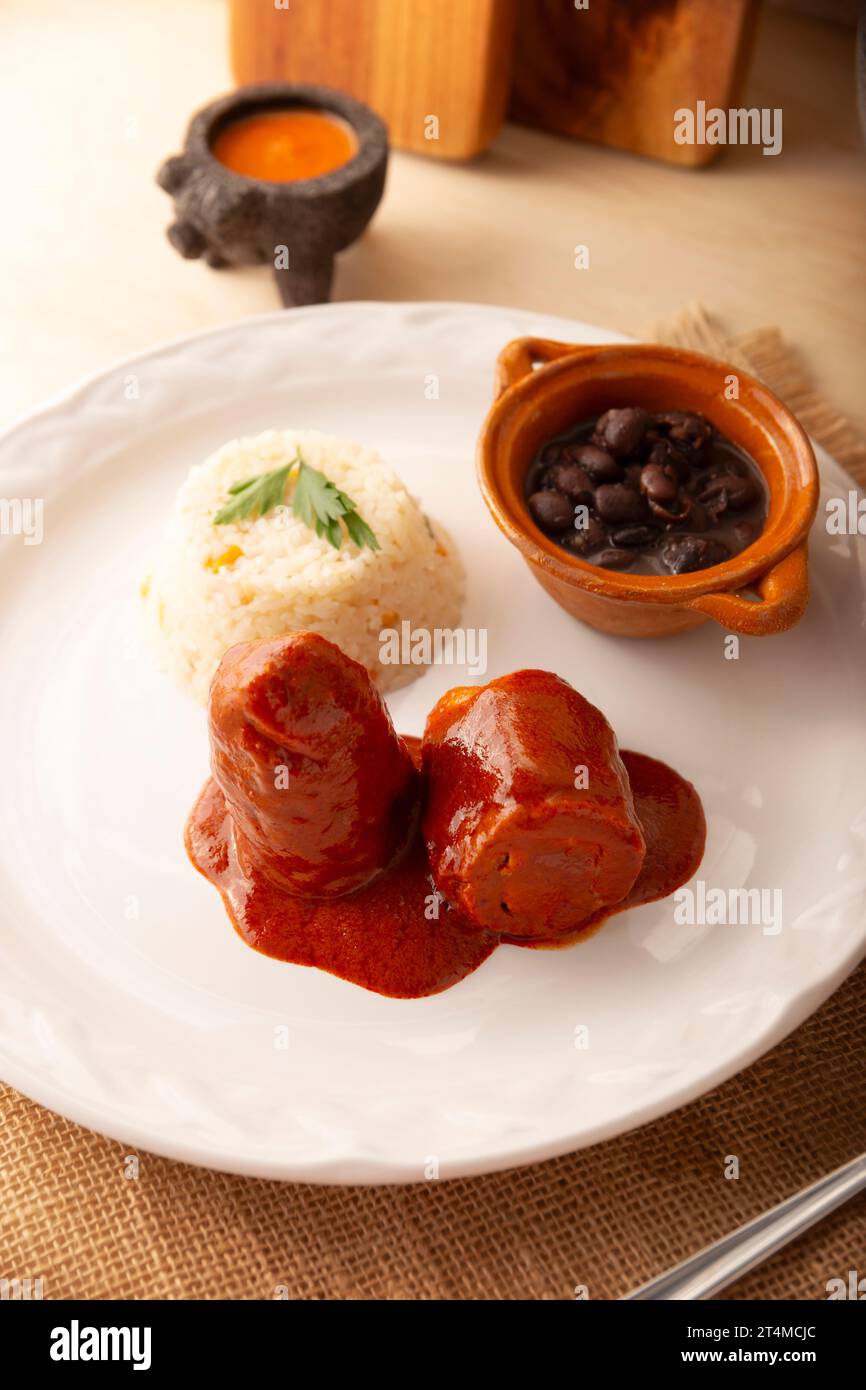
(762, 590)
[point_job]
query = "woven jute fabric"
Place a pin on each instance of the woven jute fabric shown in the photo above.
(600, 1221)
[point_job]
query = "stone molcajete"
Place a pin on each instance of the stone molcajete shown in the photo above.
(297, 225)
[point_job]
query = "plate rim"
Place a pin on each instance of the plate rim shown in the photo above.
(65, 394)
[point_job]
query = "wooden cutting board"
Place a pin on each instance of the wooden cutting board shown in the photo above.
(617, 71)
(437, 71)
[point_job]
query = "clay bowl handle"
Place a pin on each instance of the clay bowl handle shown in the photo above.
(519, 358)
(784, 592)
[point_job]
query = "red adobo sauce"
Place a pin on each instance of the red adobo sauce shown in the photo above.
(378, 937)
(296, 708)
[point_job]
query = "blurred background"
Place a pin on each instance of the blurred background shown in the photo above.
(555, 131)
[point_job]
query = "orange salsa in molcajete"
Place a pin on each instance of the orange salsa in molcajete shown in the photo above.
(283, 146)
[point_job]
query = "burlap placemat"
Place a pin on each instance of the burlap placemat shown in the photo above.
(607, 1218)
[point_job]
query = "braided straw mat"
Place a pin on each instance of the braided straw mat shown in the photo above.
(607, 1218)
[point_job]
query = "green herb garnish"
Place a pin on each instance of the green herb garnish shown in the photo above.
(318, 503)
(255, 496)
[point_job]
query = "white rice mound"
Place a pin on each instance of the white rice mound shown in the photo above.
(213, 586)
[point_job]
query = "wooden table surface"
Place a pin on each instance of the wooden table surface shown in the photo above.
(92, 96)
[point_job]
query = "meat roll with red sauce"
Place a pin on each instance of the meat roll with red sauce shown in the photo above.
(528, 818)
(322, 792)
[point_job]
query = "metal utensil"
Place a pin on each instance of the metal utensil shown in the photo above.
(733, 1256)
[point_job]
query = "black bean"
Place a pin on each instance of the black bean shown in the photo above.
(584, 539)
(616, 502)
(739, 492)
(631, 475)
(659, 481)
(658, 455)
(633, 535)
(664, 454)
(686, 428)
(745, 532)
(572, 480)
(684, 554)
(614, 559)
(555, 453)
(675, 512)
(621, 431)
(601, 466)
(551, 510)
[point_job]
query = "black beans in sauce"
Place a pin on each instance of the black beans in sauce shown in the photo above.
(660, 493)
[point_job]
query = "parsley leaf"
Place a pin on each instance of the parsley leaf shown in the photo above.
(255, 496)
(316, 500)
(323, 506)
(360, 531)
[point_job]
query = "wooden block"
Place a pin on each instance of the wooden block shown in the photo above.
(430, 68)
(617, 72)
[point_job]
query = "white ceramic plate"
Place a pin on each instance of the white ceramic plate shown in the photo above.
(128, 1003)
